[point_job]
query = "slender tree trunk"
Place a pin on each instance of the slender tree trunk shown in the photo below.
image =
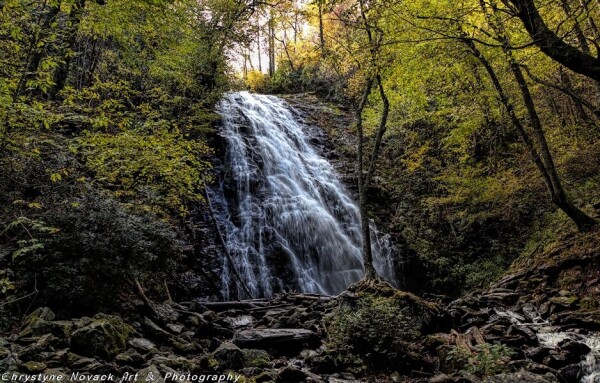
(559, 197)
(258, 46)
(367, 252)
(321, 29)
(62, 71)
(271, 26)
(380, 131)
(581, 39)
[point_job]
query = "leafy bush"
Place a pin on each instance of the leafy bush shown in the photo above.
(486, 360)
(376, 331)
(257, 81)
(97, 253)
(64, 241)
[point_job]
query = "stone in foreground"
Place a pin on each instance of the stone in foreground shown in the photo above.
(282, 339)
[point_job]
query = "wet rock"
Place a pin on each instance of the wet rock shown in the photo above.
(131, 357)
(574, 348)
(43, 343)
(267, 376)
(537, 354)
(35, 324)
(143, 345)
(229, 356)
(441, 378)
(282, 338)
(521, 377)
(106, 336)
(564, 301)
(149, 374)
(585, 320)
(155, 330)
(175, 328)
(184, 346)
(239, 321)
(164, 313)
(572, 372)
(291, 375)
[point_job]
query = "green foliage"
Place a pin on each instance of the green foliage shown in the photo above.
(96, 254)
(162, 169)
(485, 360)
(363, 332)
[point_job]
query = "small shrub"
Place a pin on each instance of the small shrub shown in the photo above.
(376, 332)
(486, 360)
(97, 253)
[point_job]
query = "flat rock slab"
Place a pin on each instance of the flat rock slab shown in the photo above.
(274, 338)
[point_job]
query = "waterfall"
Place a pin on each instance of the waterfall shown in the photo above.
(287, 220)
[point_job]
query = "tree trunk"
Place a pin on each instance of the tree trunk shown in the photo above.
(271, 26)
(62, 71)
(581, 39)
(321, 32)
(367, 253)
(551, 44)
(557, 194)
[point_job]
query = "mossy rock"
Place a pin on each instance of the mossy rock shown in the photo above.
(35, 367)
(426, 312)
(379, 327)
(106, 337)
(36, 323)
(229, 356)
(256, 358)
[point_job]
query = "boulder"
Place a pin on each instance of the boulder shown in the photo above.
(276, 338)
(572, 372)
(36, 322)
(229, 356)
(564, 301)
(34, 367)
(106, 336)
(143, 345)
(521, 377)
(291, 375)
(256, 358)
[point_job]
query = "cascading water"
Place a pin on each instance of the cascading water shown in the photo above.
(550, 337)
(290, 224)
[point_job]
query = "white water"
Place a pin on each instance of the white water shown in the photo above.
(550, 337)
(591, 364)
(292, 224)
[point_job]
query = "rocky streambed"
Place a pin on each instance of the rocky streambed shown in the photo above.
(200, 341)
(523, 329)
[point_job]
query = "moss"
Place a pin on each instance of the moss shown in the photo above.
(35, 367)
(360, 331)
(105, 337)
(588, 304)
(256, 358)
